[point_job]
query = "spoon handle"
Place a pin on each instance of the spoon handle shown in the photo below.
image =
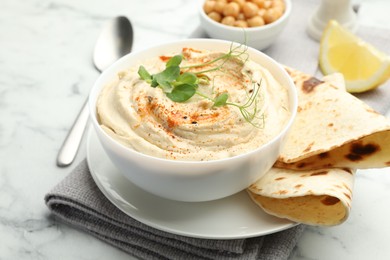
(72, 142)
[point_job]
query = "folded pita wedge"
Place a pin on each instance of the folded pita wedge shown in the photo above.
(314, 197)
(334, 129)
(334, 132)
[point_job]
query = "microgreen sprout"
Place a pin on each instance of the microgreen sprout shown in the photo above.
(250, 109)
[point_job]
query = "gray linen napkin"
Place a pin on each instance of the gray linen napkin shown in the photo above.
(79, 202)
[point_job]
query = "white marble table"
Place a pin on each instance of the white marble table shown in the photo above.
(46, 74)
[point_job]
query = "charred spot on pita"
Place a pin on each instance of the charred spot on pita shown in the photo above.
(347, 195)
(310, 84)
(347, 188)
(319, 173)
(301, 165)
(323, 155)
(298, 186)
(354, 157)
(308, 148)
(329, 201)
(359, 148)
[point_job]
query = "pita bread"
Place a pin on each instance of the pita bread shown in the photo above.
(314, 197)
(334, 129)
(333, 133)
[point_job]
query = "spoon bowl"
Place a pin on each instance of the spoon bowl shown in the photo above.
(115, 41)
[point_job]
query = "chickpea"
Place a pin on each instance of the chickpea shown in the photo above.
(278, 4)
(240, 2)
(220, 6)
(267, 4)
(270, 16)
(242, 24)
(241, 17)
(250, 9)
(261, 12)
(259, 3)
(208, 6)
(215, 16)
(278, 12)
(256, 21)
(228, 20)
(231, 9)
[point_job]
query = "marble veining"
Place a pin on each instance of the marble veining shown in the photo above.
(46, 74)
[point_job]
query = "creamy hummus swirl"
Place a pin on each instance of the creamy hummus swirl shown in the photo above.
(146, 120)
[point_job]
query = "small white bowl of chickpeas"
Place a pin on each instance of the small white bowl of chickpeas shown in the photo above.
(256, 23)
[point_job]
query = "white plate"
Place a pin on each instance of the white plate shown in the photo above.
(228, 218)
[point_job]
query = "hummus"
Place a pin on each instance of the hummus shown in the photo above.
(144, 119)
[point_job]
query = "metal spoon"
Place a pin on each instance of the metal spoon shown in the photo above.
(115, 41)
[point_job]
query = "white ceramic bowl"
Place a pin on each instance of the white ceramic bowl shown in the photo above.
(257, 37)
(191, 180)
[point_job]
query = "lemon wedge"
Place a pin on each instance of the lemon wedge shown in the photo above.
(363, 66)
